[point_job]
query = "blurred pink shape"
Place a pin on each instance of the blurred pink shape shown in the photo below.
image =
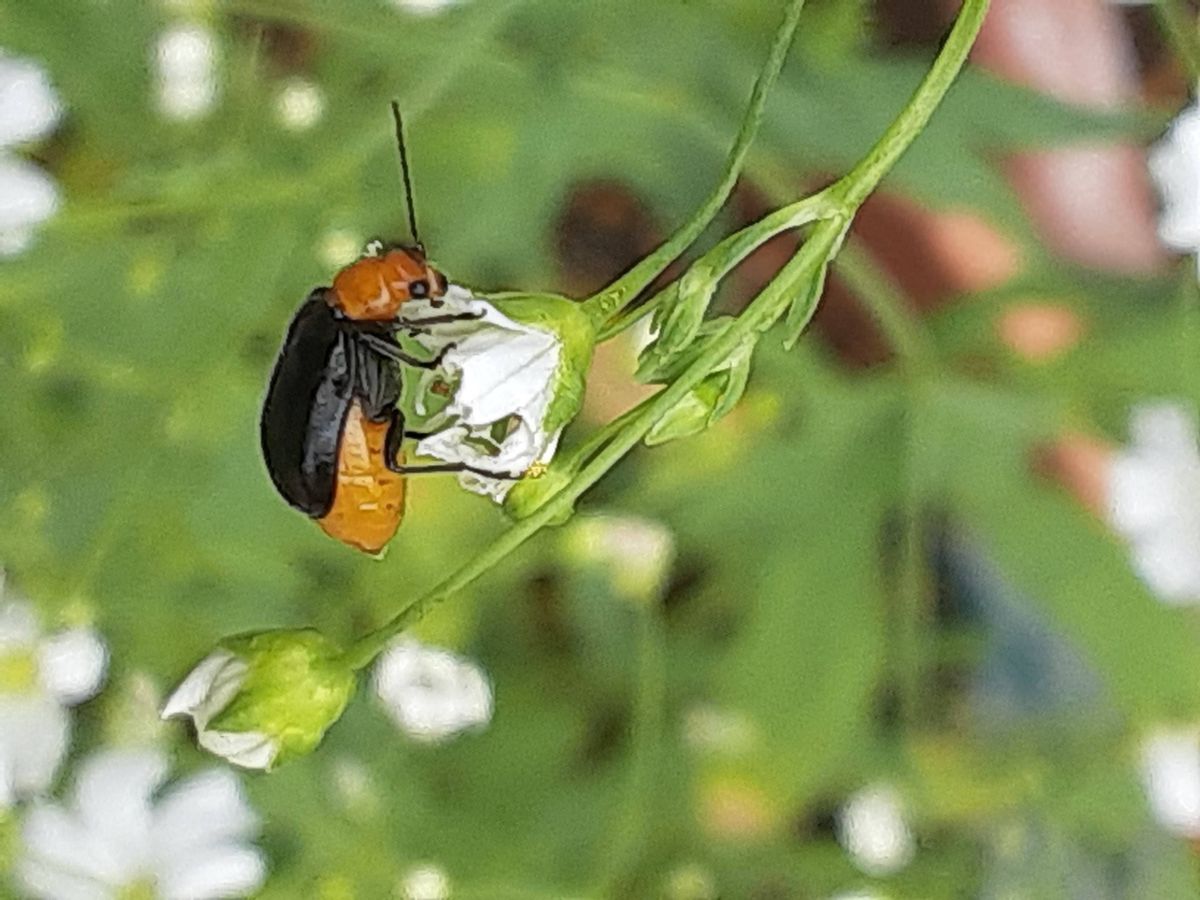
(1092, 203)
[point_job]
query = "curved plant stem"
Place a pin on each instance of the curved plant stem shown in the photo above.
(762, 312)
(621, 292)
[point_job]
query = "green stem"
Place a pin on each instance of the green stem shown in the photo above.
(621, 292)
(762, 312)
(759, 316)
(865, 177)
(646, 730)
(733, 250)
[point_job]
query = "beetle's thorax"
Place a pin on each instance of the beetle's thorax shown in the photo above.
(374, 287)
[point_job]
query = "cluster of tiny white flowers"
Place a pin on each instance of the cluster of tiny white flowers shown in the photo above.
(115, 835)
(299, 105)
(1154, 500)
(29, 111)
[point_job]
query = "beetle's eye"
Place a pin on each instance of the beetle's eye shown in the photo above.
(419, 288)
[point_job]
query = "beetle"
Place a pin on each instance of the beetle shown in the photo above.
(331, 431)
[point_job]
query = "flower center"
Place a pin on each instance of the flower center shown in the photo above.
(18, 672)
(142, 889)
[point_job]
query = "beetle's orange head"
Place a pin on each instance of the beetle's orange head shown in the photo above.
(375, 286)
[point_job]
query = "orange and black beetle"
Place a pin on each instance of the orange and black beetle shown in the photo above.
(331, 431)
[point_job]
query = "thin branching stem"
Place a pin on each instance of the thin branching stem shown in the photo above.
(824, 241)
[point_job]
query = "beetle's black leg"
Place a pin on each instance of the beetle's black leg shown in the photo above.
(393, 442)
(391, 454)
(439, 468)
(394, 353)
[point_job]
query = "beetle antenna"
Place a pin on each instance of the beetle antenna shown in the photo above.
(408, 191)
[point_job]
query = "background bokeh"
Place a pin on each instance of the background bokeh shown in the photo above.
(891, 568)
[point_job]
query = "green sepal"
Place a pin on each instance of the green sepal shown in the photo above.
(296, 686)
(801, 311)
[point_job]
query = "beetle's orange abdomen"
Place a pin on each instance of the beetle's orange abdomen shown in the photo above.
(368, 498)
(374, 288)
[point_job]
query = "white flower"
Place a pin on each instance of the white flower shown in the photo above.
(40, 675)
(506, 373)
(299, 105)
(425, 882)
(260, 699)
(432, 694)
(1175, 166)
(872, 828)
(1154, 500)
(637, 552)
(1170, 767)
(185, 59)
(115, 839)
(29, 110)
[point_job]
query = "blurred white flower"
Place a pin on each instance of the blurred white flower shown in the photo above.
(40, 675)
(1154, 500)
(29, 110)
(718, 731)
(1175, 166)
(430, 693)
(1170, 768)
(339, 247)
(299, 105)
(506, 373)
(185, 62)
(637, 552)
(424, 7)
(425, 882)
(873, 829)
(116, 838)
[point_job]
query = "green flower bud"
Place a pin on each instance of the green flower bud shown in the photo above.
(261, 699)
(709, 401)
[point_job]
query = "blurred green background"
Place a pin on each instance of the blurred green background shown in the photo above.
(871, 581)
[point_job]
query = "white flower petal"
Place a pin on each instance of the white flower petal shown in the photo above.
(34, 732)
(199, 813)
(28, 196)
(873, 830)
(432, 694)
(71, 665)
(248, 749)
(18, 625)
(113, 796)
(225, 871)
(1170, 767)
(56, 841)
(48, 882)
(1154, 500)
(218, 674)
(1175, 166)
(29, 107)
